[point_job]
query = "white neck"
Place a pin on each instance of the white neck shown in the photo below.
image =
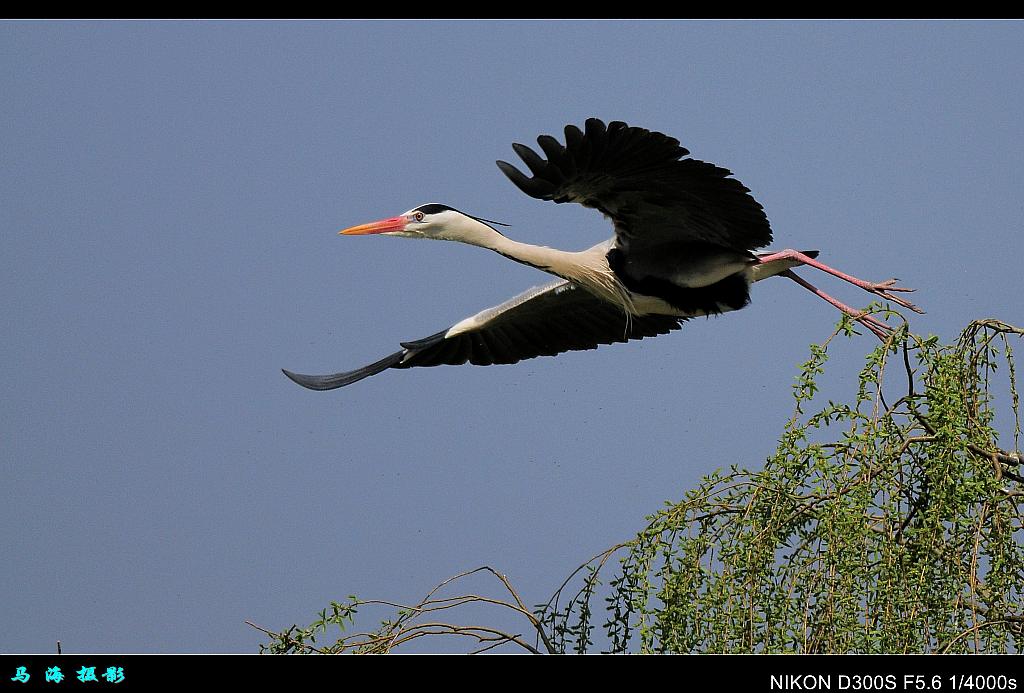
(558, 262)
(589, 268)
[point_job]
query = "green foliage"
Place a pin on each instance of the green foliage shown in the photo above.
(891, 523)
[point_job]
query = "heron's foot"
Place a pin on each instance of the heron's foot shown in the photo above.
(888, 284)
(877, 327)
(884, 291)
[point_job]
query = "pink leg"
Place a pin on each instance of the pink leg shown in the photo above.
(880, 289)
(877, 327)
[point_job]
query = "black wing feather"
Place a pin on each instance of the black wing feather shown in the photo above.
(529, 325)
(640, 179)
(336, 380)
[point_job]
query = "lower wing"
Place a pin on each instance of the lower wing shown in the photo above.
(543, 321)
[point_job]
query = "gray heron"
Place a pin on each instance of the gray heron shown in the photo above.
(684, 246)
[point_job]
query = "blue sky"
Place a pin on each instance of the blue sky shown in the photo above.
(171, 196)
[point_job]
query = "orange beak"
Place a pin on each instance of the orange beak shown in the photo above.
(382, 226)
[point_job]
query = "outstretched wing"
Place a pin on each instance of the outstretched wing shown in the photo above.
(639, 179)
(543, 321)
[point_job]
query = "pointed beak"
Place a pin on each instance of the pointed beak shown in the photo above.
(382, 226)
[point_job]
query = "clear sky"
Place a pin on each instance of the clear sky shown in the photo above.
(171, 194)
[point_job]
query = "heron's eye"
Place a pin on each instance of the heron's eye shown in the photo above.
(418, 216)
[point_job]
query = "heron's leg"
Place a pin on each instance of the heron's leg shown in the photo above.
(880, 289)
(877, 327)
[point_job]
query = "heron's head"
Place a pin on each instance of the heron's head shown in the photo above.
(426, 221)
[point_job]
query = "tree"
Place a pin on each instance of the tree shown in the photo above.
(892, 523)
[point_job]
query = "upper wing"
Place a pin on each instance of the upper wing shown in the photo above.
(639, 179)
(543, 321)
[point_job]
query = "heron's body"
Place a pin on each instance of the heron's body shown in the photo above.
(684, 246)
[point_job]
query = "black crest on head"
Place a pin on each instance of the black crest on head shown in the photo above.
(435, 208)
